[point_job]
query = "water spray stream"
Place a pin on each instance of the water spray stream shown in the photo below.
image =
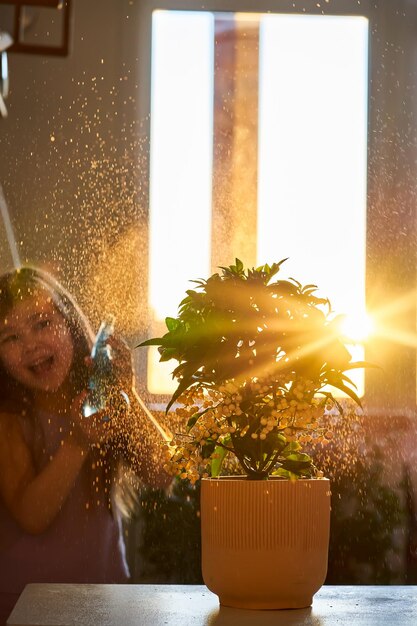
(166, 435)
(9, 230)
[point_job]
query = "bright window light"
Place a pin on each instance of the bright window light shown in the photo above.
(180, 159)
(312, 138)
(312, 167)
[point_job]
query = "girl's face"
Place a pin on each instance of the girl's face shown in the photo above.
(36, 346)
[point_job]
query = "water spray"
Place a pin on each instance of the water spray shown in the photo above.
(166, 435)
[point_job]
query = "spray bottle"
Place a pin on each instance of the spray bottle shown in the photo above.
(102, 381)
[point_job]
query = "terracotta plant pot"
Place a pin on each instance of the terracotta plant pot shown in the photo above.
(265, 543)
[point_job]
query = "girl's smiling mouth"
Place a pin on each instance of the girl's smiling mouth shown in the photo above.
(42, 365)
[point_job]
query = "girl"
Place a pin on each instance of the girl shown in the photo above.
(58, 470)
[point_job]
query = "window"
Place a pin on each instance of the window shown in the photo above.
(258, 147)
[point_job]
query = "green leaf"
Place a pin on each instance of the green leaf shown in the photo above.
(207, 449)
(298, 457)
(360, 365)
(167, 354)
(184, 384)
(239, 265)
(179, 369)
(216, 464)
(157, 341)
(283, 287)
(297, 467)
(330, 397)
(299, 285)
(348, 380)
(172, 323)
(283, 473)
(193, 420)
(291, 447)
(347, 391)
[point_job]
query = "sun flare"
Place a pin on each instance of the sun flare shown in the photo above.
(358, 328)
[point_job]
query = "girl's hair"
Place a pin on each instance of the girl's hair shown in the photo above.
(27, 282)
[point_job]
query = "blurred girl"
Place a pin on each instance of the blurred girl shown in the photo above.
(59, 471)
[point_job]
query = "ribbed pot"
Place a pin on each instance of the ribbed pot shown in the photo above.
(265, 543)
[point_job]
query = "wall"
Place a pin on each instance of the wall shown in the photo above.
(69, 163)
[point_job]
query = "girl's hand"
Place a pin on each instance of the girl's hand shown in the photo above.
(121, 362)
(98, 428)
(89, 431)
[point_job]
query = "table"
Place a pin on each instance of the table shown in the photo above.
(195, 605)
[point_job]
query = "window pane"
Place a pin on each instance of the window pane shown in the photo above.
(181, 158)
(312, 153)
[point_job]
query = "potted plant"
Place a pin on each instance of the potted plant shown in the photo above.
(257, 359)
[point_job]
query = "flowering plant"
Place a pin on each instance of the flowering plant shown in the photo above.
(256, 359)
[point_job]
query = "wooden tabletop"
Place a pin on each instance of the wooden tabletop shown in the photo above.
(194, 605)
